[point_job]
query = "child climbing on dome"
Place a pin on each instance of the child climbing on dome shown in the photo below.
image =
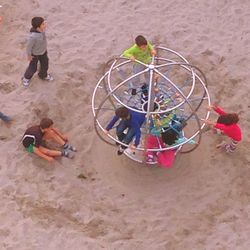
(227, 124)
(142, 51)
(163, 158)
(168, 136)
(130, 120)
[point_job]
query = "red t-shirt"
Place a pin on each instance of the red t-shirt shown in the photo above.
(233, 131)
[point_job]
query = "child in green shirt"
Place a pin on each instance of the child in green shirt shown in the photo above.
(142, 51)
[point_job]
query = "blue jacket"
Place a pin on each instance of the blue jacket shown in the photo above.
(135, 121)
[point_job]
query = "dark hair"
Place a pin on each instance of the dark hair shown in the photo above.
(46, 123)
(169, 136)
(36, 22)
(145, 106)
(228, 119)
(122, 112)
(140, 40)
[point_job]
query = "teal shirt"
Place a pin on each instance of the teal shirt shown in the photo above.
(139, 54)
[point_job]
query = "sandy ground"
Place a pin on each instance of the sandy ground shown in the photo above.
(203, 202)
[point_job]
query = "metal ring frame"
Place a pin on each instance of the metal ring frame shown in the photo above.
(152, 68)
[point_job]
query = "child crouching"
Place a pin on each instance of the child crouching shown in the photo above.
(34, 136)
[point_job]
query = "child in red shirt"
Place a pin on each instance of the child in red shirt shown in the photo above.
(227, 123)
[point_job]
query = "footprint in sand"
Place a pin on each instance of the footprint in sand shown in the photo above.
(41, 109)
(7, 87)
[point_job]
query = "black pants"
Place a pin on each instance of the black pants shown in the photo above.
(32, 68)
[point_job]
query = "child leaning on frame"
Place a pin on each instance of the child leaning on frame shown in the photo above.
(169, 135)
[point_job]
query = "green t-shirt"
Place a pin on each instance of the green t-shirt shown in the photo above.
(139, 54)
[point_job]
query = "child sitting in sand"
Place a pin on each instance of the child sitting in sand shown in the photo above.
(34, 136)
(227, 123)
(37, 51)
(142, 51)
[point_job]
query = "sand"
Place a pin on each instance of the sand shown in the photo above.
(203, 202)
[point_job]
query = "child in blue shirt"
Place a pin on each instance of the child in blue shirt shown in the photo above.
(130, 120)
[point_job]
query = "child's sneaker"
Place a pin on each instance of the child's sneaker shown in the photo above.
(67, 154)
(48, 78)
(150, 159)
(120, 150)
(26, 82)
(69, 147)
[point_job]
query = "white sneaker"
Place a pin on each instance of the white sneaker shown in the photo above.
(26, 82)
(69, 147)
(120, 150)
(67, 154)
(48, 78)
(150, 159)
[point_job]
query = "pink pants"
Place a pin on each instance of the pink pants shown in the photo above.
(164, 158)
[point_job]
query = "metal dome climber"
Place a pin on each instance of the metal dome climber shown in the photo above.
(173, 91)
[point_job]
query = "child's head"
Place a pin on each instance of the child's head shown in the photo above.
(38, 22)
(228, 119)
(141, 42)
(46, 123)
(122, 113)
(169, 136)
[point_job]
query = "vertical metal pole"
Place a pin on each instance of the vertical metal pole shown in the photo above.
(150, 104)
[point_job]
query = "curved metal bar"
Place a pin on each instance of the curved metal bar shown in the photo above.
(204, 84)
(154, 150)
(142, 72)
(203, 75)
(154, 70)
(198, 106)
(186, 101)
(172, 51)
(168, 148)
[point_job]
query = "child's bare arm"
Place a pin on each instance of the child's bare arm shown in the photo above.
(132, 58)
(64, 137)
(212, 107)
(29, 58)
(153, 52)
(42, 155)
(209, 122)
(129, 53)
(106, 131)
